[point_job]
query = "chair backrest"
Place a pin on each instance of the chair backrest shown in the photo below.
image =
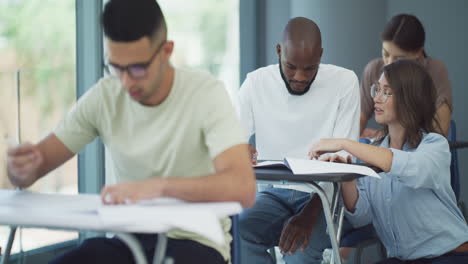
(365, 140)
(235, 244)
(252, 140)
(454, 171)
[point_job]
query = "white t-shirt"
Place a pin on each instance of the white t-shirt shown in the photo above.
(178, 138)
(287, 125)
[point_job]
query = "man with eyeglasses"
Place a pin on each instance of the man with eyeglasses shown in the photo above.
(289, 106)
(169, 132)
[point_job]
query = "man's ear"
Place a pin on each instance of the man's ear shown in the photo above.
(167, 49)
(278, 50)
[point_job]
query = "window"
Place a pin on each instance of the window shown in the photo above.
(37, 52)
(206, 36)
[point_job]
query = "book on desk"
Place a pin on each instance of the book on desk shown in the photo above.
(305, 166)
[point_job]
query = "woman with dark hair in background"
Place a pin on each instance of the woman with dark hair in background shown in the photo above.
(404, 37)
(412, 207)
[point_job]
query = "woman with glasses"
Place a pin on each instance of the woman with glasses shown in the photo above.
(403, 37)
(412, 207)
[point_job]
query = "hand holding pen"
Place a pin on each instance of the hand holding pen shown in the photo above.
(23, 163)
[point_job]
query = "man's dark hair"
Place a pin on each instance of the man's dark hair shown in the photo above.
(406, 31)
(131, 20)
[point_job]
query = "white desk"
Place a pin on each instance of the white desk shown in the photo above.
(85, 212)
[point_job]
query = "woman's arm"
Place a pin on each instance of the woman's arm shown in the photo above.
(372, 155)
(424, 167)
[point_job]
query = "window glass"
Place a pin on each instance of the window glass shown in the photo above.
(206, 36)
(37, 56)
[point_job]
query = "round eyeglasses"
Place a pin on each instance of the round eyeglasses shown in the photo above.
(377, 90)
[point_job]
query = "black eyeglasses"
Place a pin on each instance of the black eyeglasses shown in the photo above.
(136, 71)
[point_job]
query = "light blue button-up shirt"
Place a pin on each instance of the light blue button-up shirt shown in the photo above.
(413, 206)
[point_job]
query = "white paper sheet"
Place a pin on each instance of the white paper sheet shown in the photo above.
(303, 166)
(85, 211)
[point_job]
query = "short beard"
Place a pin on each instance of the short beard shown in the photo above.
(290, 90)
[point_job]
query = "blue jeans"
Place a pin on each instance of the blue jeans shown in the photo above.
(261, 226)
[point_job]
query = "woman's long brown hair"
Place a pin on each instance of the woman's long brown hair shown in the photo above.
(414, 95)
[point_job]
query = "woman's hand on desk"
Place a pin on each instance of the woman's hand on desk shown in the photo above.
(348, 189)
(132, 192)
(23, 163)
(337, 158)
(326, 145)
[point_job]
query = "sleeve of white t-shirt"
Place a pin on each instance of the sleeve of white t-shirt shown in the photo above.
(221, 128)
(347, 122)
(245, 109)
(78, 128)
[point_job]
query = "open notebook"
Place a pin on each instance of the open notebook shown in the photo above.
(304, 166)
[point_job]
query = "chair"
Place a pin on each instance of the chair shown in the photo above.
(360, 238)
(454, 171)
(235, 243)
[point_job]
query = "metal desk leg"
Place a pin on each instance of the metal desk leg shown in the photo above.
(329, 219)
(138, 252)
(340, 225)
(11, 238)
(134, 246)
(340, 217)
(160, 251)
(339, 211)
(336, 193)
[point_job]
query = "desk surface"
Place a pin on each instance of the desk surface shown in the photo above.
(85, 212)
(282, 174)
